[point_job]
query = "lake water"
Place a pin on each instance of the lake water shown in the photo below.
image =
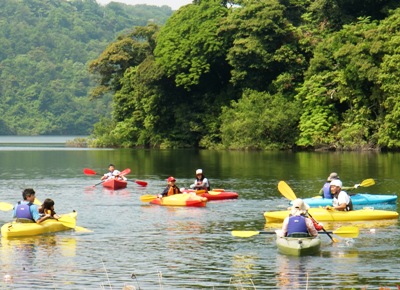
(153, 247)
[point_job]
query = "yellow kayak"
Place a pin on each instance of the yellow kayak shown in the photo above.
(322, 214)
(17, 229)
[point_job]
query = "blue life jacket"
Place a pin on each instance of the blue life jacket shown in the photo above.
(23, 211)
(327, 190)
(297, 224)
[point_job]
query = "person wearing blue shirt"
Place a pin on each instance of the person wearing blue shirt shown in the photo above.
(26, 210)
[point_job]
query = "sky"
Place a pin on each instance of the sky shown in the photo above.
(174, 4)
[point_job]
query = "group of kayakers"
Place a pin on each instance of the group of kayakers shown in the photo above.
(298, 222)
(201, 183)
(27, 211)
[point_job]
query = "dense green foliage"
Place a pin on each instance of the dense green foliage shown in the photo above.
(45, 46)
(259, 74)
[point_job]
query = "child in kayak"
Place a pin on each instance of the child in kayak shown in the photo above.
(113, 173)
(201, 182)
(46, 210)
(171, 188)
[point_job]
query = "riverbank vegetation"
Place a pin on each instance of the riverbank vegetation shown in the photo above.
(257, 74)
(45, 46)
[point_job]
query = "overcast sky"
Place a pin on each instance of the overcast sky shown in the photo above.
(174, 4)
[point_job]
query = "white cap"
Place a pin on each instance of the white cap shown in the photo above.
(299, 207)
(336, 182)
(199, 171)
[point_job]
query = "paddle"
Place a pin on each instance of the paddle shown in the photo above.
(67, 221)
(287, 192)
(89, 171)
(148, 198)
(347, 231)
(367, 182)
(5, 206)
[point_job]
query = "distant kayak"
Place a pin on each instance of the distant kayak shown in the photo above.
(18, 229)
(113, 183)
(322, 214)
(183, 199)
(357, 199)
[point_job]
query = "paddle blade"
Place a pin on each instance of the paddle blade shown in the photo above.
(5, 206)
(244, 234)
(286, 191)
(347, 232)
(141, 182)
(148, 198)
(125, 172)
(367, 182)
(89, 171)
(67, 221)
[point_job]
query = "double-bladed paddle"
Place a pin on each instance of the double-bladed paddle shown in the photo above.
(287, 192)
(346, 231)
(89, 171)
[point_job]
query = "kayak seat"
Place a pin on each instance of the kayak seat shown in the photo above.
(298, 235)
(23, 220)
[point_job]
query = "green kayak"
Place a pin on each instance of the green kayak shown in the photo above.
(298, 246)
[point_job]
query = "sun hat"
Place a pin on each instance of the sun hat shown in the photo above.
(199, 171)
(171, 178)
(299, 207)
(336, 182)
(333, 176)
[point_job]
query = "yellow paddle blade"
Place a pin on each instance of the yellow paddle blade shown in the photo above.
(244, 234)
(286, 191)
(67, 221)
(82, 229)
(37, 202)
(198, 192)
(148, 198)
(367, 182)
(347, 232)
(5, 206)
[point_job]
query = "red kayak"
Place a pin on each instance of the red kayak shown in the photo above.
(216, 194)
(114, 183)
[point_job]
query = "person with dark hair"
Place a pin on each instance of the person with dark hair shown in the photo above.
(112, 173)
(25, 210)
(47, 209)
(201, 181)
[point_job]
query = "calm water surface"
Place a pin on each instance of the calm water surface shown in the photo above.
(152, 247)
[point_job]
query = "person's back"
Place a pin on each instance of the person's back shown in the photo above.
(25, 210)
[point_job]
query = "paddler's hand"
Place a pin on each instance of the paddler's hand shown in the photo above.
(328, 207)
(357, 185)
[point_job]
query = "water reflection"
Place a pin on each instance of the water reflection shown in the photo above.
(18, 256)
(244, 270)
(292, 272)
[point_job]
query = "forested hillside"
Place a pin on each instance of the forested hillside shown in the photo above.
(45, 46)
(257, 74)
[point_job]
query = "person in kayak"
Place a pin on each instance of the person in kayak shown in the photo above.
(297, 223)
(325, 191)
(25, 210)
(201, 182)
(47, 209)
(341, 200)
(171, 188)
(112, 173)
